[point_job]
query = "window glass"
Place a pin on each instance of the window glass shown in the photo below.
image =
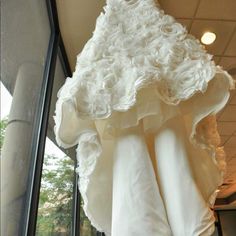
(25, 33)
(56, 193)
(55, 208)
(85, 227)
(22, 70)
(6, 100)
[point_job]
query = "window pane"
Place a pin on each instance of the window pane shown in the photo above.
(25, 33)
(56, 192)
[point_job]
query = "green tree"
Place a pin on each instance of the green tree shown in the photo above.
(56, 194)
(55, 203)
(3, 125)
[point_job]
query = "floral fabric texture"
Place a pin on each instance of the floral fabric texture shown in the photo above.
(141, 106)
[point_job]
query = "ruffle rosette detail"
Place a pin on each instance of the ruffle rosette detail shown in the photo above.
(136, 45)
(208, 138)
(127, 54)
(88, 151)
(204, 132)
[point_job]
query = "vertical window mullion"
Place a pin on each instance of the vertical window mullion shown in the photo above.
(40, 132)
(76, 206)
(76, 195)
(40, 128)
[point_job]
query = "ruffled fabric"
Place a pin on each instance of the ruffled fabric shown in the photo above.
(199, 113)
(136, 45)
(68, 125)
(88, 151)
(140, 66)
(95, 181)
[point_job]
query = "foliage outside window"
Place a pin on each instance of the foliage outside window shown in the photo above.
(56, 194)
(3, 125)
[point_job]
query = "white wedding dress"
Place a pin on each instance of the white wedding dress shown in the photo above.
(141, 108)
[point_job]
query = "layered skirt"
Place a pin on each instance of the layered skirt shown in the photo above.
(141, 107)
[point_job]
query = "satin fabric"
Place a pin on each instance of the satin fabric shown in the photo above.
(141, 106)
(161, 203)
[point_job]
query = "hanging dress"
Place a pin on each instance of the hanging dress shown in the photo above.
(141, 106)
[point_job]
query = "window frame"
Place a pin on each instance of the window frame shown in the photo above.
(30, 211)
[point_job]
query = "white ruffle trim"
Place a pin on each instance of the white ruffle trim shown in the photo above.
(58, 119)
(210, 141)
(205, 133)
(88, 151)
(136, 45)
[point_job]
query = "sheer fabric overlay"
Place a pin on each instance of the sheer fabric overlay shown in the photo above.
(141, 108)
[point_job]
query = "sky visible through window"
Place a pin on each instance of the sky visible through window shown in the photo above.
(6, 100)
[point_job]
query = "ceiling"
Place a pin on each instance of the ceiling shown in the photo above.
(77, 20)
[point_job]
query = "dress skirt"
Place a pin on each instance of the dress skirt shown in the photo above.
(141, 110)
(153, 170)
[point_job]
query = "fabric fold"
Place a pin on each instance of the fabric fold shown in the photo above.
(137, 207)
(141, 69)
(95, 181)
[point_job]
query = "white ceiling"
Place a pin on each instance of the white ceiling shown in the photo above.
(77, 21)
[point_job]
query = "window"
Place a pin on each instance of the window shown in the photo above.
(56, 193)
(55, 208)
(39, 186)
(25, 34)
